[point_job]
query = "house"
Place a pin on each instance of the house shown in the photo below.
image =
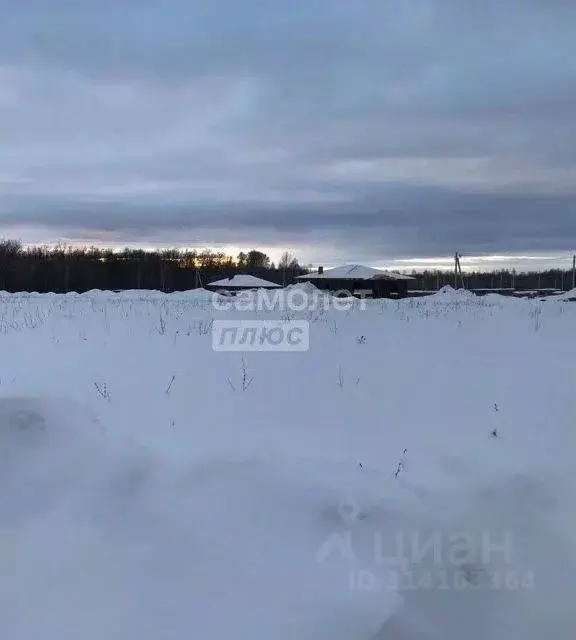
(241, 282)
(358, 280)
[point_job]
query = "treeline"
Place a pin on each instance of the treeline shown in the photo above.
(62, 269)
(557, 279)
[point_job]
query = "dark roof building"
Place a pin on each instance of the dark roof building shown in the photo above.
(361, 281)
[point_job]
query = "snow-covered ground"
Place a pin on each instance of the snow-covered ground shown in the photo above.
(154, 489)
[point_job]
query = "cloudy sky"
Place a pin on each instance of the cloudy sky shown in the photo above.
(344, 130)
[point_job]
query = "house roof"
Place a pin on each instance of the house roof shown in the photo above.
(243, 281)
(354, 272)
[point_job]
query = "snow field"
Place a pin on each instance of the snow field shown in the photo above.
(144, 494)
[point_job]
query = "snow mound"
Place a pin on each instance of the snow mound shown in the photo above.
(567, 295)
(305, 287)
(449, 293)
(104, 540)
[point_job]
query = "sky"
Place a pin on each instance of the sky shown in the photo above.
(376, 131)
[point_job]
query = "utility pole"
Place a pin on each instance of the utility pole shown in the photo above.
(457, 271)
(574, 271)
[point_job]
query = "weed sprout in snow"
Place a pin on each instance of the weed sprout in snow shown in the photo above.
(245, 378)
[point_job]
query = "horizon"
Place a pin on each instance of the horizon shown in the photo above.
(477, 263)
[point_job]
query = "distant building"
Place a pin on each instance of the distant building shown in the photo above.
(241, 282)
(360, 281)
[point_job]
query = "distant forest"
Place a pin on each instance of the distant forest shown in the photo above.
(62, 269)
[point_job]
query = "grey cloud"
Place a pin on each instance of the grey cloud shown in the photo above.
(430, 124)
(438, 221)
